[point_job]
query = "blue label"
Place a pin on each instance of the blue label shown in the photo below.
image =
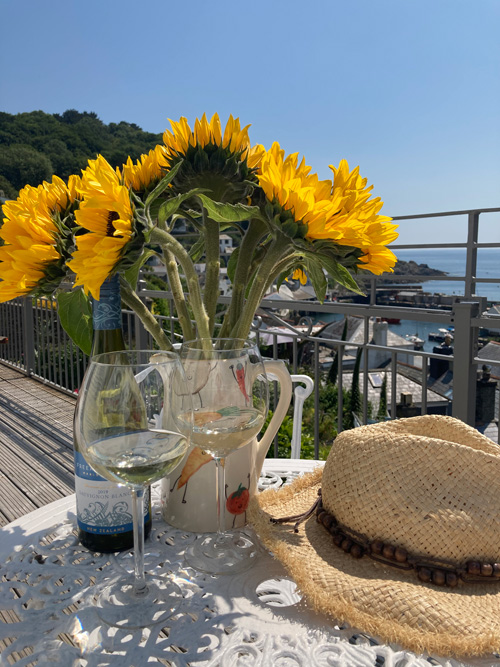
(103, 508)
(107, 312)
(84, 471)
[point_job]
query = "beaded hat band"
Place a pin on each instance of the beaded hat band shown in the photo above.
(437, 571)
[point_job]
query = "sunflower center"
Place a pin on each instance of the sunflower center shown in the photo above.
(112, 216)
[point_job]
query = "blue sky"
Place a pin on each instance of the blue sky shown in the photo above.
(407, 89)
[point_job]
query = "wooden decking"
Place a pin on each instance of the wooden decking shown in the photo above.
(36, 444)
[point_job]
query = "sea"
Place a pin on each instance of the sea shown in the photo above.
(451, 260)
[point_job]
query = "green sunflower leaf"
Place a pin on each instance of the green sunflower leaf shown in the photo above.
(197, 249)
(220, 212)
(281, 279)
(75, 315)
(340, 274)
(318, 279)
(131, 275)
(171, 206)
(163, 184)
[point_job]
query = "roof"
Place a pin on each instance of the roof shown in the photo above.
(356, 333)
(403, 384)
(442, 385)
(491, 354)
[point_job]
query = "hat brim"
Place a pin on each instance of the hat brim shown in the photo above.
(383, 601)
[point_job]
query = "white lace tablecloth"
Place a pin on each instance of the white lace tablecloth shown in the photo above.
(253, 619)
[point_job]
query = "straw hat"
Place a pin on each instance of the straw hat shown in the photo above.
(404, 542)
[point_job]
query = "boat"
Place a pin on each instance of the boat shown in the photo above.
(418, 343)
(441, 335)
(391, 320)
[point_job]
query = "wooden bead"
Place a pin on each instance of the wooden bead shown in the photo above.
(496, 570)
(388, 551)
(439, 577)
(338, 538)
(377, 547)
(486, 569)
(357, 551)
(424, 574)
(474, 567)
(451, 579)
(346, 544)
(400, 555)
(327, 520)
(319, 515)
(333, 529)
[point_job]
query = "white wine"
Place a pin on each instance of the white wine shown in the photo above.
(104, 509)
(221, 432)
(139, 457)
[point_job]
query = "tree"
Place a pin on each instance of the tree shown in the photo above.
(382, 408)
(23, 165)
(36, 145)
(7, 188)
(356, 400)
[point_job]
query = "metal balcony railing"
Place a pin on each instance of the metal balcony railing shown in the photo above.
(38, 346)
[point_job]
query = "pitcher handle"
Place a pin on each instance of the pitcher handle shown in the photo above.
(277, 368)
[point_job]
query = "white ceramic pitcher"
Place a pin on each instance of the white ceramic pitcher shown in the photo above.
(190, 489)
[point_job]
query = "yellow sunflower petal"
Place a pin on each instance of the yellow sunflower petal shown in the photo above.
(106, 213)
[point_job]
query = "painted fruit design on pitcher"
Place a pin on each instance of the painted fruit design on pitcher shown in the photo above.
(237, 502)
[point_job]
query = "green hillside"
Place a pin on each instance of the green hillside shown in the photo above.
(35, 145)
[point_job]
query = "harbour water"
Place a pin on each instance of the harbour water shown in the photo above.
(452, 261)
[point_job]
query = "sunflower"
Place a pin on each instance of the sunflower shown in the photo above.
(106, 213)
(341, 212)
(220, 162)
(147, 171)
(32, 258)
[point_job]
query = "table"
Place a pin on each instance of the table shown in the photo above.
(256, 618)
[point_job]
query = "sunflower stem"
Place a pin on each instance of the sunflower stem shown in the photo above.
(285, 264)
(260, 283)
(212, 259)
(256, 229)
(132, 300)
(178, 294)
(165, 239)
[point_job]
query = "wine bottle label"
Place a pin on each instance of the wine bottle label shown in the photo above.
(103, 508)
(107, 312)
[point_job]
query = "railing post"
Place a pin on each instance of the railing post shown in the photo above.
(464, 351)
(28, 336)
(471, 257)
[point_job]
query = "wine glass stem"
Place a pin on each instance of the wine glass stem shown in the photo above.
(140, 586)
(220, 483)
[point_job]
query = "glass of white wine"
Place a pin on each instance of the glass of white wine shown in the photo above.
(133, 424)
(230, 393)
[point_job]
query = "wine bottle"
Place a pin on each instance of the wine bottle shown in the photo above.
(104, 509)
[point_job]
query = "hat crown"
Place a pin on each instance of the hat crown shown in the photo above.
(429, 484)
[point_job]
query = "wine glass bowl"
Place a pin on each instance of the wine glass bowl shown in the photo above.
(230, 393)
(133, 425)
